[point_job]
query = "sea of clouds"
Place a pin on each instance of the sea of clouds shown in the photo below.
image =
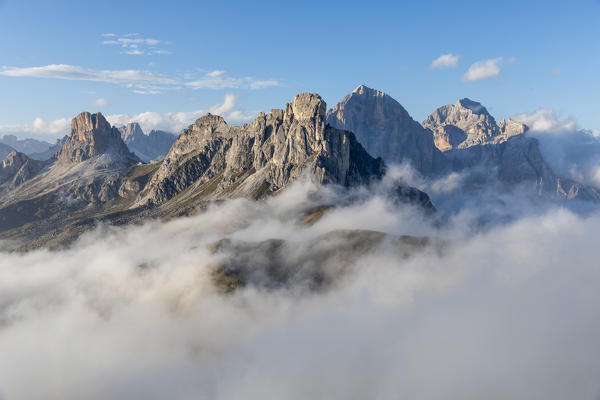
(508, 309)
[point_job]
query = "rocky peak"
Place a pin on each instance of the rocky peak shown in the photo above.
(85, 125)
(512, 128)
(131, 131)
(468, 123)
(386, 129)
(209, 122)
(14, 160)
(363, 90)
(468, 104)
(91, 135)
(262, 157)
(307, 109)
(16, 168)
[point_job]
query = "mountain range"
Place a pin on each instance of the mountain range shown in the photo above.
(151, 147)
(120, 175)
(461, 137)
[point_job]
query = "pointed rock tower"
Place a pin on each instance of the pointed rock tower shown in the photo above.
(386, 129)
(216, 160)
(467, 123)
(91, 136)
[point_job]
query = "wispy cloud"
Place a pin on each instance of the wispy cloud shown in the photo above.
(134, 44)
(220, 80)
(149, 120)
(176, 121)
(445, 61)
(483, 70)
(72, 72)
(100, 102)
(569, 150)
(546, 120)
(140, 81)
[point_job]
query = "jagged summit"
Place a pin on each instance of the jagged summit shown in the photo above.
(468, 123)
(386, 129)
(261, 157)
(131, 131)
(151, 147)
(474, 106)
(91, 135)
(16, 168)
(306, 107)
(365, 90)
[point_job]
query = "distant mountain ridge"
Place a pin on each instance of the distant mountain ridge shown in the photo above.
(27, 145)
(461, 137)
(151, 147)
(468, 123)
(51, 151)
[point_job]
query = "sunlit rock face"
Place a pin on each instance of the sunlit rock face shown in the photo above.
(467, 123)
(91, 135)
(264, 156)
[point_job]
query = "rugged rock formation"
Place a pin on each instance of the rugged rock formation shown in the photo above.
(152, 147)
(386, 129)
(17, 168)
(256, 159)
(95, 177)
(471, 140)
(468, 123)
(91, 135)
(88, 169)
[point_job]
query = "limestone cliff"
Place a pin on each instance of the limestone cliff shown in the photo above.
(262, 157)
(467, 123)
(386, 129)
(91, 135)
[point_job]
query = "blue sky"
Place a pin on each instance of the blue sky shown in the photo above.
(243, 57)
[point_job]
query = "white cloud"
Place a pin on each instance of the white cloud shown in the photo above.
(546, 120)
(141, 82)
(483, 70)
(445, 61)
(570, 151)
(216, 73)
(177, 121)
(133, 44)
(149, 120)
(132, 52)
(263, 84)
(220, 80)
(71, 72)
(133, 312)
(39, 127)
(100, 102)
